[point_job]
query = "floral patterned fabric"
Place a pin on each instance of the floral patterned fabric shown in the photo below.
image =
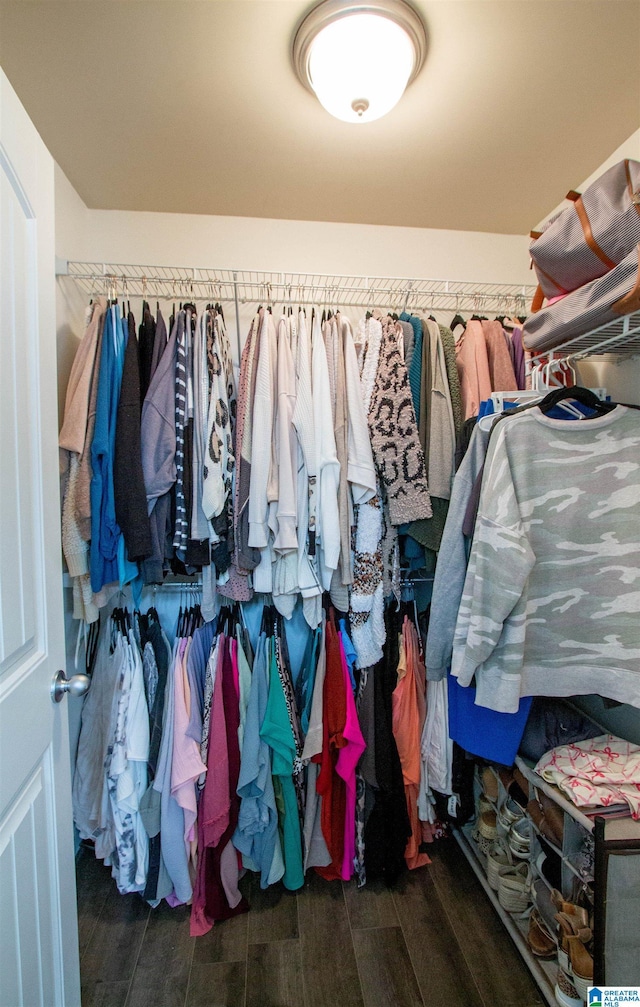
(598, 772)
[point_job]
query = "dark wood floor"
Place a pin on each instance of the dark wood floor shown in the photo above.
(434, 940)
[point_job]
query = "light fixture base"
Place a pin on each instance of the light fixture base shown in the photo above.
(329, 11)
(360, 106)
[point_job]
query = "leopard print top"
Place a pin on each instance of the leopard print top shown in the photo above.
(394, 436)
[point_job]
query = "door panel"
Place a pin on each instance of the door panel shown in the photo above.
(17, 424)
(38, 949)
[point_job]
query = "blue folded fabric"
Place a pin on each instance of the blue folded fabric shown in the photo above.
(483, 732)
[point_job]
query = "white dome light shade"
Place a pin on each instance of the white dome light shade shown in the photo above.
(357, 56)
(359, 66)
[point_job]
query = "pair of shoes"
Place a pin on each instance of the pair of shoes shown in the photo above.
(573, 955)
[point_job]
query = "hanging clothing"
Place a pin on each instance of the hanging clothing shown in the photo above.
(158, 440)
(539, 512)
(256, 835)
(409, 710)
(387, 828)
(128, 477)
(276, 731)
(105, 533)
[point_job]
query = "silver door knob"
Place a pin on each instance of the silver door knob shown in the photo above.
(77, 685)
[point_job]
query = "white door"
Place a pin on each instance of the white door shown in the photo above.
(38, 924)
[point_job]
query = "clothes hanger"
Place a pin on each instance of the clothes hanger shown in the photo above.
(579, 394)
(457, 320)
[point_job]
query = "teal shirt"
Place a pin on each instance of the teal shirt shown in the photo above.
(276, 731)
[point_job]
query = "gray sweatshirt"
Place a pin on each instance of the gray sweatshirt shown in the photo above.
(452, 559)
(551, 601)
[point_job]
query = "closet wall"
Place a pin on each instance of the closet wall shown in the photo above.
(172, 239)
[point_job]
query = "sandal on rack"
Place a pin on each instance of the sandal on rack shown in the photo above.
(509, 813)
(487, 825)
(500, 856)
(580, 963)
(569, 927)
(540, 938)
(541, 897)
(514, 887)
(535, 813)
(520, 839)
(484, 845)
(578, 914)
(565, 992)
(553, 819)
(546, 822)
(489, 784)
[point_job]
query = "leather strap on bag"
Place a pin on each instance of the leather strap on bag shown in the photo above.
(631, 301)
(633, 196)
(541, 272)
(576, 199)
(538, 300)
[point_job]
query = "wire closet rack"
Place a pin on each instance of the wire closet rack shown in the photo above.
(250, 286)
(620, 338)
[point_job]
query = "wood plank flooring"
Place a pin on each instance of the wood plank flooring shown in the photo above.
(433, 941)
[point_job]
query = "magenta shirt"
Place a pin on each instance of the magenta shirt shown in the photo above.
(348, 758)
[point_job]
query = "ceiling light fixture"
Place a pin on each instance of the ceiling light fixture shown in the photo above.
(358, 58)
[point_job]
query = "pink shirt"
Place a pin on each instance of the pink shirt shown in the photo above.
(186, 764)
(473, 369)
(348, 758)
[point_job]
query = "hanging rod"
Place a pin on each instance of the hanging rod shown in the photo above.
(252, 286)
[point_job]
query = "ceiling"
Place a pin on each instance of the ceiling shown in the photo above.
(193, 107)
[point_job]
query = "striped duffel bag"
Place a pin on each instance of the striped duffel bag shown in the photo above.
(593, 235)
(610, 296)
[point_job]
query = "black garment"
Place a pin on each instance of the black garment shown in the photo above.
(128, 479)
(463, 441)
(155, 638)
(388, 827)
(160, 340)
(198, 552)
(161, 552)
(462, 774)
(146, 338)
(152, 633)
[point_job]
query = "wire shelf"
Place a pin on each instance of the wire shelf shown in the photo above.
(619, 338)
(180, 282)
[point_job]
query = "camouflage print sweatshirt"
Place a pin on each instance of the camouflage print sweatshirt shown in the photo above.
(551, 600)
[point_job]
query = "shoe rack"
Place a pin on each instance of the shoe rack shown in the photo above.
(572, 864)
